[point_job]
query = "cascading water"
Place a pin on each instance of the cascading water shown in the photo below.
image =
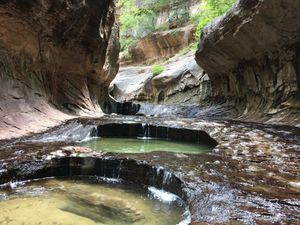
(146, 133)
(143, 138)
(71, 132)
(186, 36)
(189, 111)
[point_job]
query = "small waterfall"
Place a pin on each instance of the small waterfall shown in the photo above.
(167, 133)
(91, 134)
(166, 178)
(165, 175)
(158, 169)
(119, 168)
(162, 195)
(146, 132)
(186, 36)
(71, 132)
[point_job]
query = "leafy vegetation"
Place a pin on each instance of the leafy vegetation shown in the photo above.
(209, 10)
(125, 42)
(179, 15)
(138, 18)
(191, 47)
(157, 69)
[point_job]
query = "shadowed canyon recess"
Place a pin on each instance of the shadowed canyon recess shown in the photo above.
(150, 112)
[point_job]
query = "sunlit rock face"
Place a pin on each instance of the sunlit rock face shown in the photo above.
(56, 57)
(252, 56)
(160, 45)
(182, 81)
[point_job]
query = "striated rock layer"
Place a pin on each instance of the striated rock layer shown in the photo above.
(56, 57)
(252, 55)
(161, 45)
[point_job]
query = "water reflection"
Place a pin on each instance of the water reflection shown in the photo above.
(134, 145)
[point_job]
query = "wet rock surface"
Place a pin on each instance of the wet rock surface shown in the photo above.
(251, 177)
(251, 55)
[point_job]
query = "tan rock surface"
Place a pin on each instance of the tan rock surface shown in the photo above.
(252, 57)
(182, 79)
(160, 45)
(57, 59)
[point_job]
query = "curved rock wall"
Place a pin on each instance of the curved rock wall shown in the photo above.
(55, 56)
(252, 56)
(180, 81)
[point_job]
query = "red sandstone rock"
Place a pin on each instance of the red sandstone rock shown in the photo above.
(252, 57)
(56, 57)
(160, 45)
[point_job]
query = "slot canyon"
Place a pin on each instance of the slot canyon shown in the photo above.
(150, 112)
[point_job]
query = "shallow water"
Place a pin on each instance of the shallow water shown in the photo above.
(88, 202)
(132, 145)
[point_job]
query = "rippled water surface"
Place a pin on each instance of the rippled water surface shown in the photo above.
(87, 202)
(131, 145)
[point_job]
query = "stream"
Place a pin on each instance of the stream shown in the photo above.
(246, 173)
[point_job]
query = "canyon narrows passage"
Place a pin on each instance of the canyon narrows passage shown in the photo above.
(149, 112)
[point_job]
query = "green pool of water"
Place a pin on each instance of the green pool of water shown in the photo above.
(88, 202)
(132, 145)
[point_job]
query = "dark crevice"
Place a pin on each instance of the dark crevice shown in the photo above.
(159, 132)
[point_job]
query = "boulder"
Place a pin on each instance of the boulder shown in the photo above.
(132, 83)
(180, 74)
(181, 81)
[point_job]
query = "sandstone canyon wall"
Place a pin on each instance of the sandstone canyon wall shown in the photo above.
(252, 56)
(174, 32)
(56, 57)
(161, 45)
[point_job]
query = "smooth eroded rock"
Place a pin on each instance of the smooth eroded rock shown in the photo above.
(251, 55)
(182, 81)
(56, 57)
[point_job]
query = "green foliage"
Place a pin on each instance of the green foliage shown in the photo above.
(192, 47)
(179, 14)
(138, 19)
(209, 10)
(125, 55)
(157, 69)
(125, 42)
(155, 5)
(163, 27)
